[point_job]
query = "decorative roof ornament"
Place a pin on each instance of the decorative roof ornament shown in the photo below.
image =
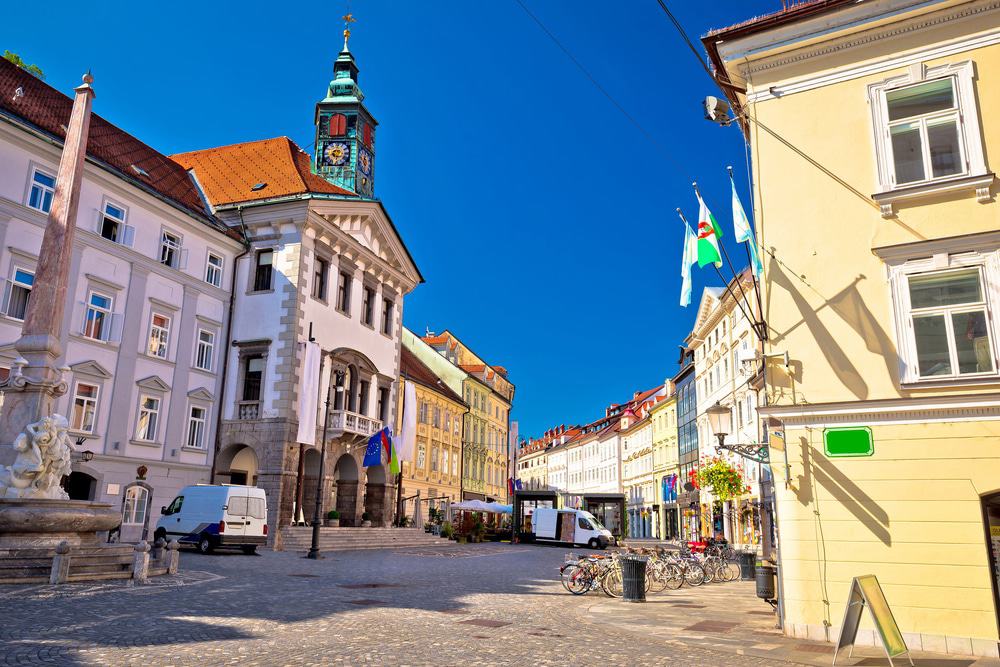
(348, 20)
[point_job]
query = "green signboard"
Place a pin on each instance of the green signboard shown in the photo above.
(853, 441)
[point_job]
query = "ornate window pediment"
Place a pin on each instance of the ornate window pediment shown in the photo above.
(153, 383)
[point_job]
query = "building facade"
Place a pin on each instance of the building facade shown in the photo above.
(146, 316)
(637, 471)
(688, 495)
(884, 415)
(663, 416)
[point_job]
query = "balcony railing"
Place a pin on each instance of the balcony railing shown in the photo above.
(352, 423)
(248, 410)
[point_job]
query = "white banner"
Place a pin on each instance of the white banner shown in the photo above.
(408, 434)
(309, 393)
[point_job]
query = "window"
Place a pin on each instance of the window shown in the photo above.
(213, 270)
(319, 279)
(170, 250)
(437, 417)
(17, 293)
(134, 507)
(149, 418)
(84, 407)
(159, 336)
(43, 187)
(111, 225)
(387, 307)
(262, 272)
(950, 324)
(97, 324)
(175, 506)
(253, 373)
(344, 293)
(364, 389)
(383, 404)
(196, 427)
(368, 306)
(206, 350)
(423, 412)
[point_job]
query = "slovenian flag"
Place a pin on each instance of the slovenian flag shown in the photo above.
(709, 234)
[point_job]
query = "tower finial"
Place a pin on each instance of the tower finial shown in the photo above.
(348, 20)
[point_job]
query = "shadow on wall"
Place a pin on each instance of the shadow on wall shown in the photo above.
(849, 305)
(820, 470)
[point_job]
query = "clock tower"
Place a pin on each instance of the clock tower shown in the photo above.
(345, 131)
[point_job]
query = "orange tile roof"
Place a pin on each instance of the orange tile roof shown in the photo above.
(472, 368)
(227, 173)
(434, 340)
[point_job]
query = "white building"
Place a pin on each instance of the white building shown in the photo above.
(724, 347)
(637, 471)
(146, 320)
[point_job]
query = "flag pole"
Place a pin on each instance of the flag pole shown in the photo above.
(762, 333)
(725, 282)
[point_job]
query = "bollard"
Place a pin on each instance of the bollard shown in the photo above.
(140, 563)
(60, 564)
(173, 557)
(156, 553)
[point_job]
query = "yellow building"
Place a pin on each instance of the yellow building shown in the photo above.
(884, 426)
(663, 416)
(489, 395)
(436, 470)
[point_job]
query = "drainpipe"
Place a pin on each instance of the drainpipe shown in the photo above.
(225, 357)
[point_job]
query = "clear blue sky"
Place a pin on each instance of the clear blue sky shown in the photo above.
(542, 220)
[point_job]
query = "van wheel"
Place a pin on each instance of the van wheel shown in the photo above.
(593, 543)
(160, 534)
(249, 549)
(205, 545)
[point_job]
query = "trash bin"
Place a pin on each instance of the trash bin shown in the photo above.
(634, 578)
(766, 582)
(747, 561)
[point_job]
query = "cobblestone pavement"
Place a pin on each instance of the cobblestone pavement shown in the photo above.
(454, 605)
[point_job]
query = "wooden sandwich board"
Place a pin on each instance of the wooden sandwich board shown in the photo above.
(866, 592)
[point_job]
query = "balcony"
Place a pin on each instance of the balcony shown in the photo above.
(343, 422)
(248, 410)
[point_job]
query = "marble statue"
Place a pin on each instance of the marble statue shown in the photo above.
(43, 459)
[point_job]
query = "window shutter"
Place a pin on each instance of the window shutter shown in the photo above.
(338, 125)
(128, 235)
(8, 285)
(115, 330)
(98, 218)
(82, 321)
(182, 258)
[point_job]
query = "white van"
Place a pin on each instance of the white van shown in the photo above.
(572, 526)
(210, 516)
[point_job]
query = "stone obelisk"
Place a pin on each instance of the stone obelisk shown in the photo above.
(34, 385)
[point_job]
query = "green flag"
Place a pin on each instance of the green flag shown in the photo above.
(709, 234)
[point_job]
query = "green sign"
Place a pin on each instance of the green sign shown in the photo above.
(855, 441)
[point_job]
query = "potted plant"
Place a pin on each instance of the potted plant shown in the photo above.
(447, 530)
(478, 530)
(366, 520)
(332, 519)
(427, 526)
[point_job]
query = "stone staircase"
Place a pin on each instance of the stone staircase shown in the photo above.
(86, 563)
(299, 538)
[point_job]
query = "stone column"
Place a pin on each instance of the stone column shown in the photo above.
(41, 382)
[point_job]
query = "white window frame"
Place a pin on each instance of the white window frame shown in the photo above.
(988, 262)
(197, 425)
(143, 437)
(86, 400)
(970, 136)
(179, 257)
(13, 283)
(198, 344)
(44, 189)
(211, 269)
(162, 336)
(105, 333)
(126, 233)
(129, 518)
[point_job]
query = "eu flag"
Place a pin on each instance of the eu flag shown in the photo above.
(373, 453)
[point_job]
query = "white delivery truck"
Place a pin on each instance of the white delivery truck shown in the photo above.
(571, 526)
(210, 516)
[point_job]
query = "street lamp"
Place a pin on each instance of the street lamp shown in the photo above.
(720, 418)
(314, 547)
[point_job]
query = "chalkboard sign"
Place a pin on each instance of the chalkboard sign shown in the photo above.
(866, 592)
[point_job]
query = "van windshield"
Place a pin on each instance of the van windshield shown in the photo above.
(597, 525)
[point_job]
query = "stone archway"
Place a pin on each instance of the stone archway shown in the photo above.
(237, 464)
(345, 474)
(80, 486)
(378, 499)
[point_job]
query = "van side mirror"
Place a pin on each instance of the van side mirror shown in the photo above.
(163, 509)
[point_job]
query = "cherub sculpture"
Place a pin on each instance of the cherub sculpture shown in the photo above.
(43, 459)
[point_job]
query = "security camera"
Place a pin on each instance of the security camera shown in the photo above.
(717, 111)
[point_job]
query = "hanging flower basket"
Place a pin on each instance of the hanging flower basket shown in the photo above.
(722, 478)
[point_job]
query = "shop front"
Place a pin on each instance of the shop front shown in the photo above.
(609, 508)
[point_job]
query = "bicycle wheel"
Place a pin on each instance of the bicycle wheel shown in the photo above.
(694, 574)
(580, 581)
(673, 578)
(732, 571)
(569, 575)
(611, 582)
(659, 577)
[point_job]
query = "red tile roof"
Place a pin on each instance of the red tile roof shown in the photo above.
(227, 174)
(47, 110)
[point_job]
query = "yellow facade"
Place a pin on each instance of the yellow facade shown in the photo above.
(664, 418)
(837, 260)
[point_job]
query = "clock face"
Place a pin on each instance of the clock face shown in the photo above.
(365, 162)
(336, 153)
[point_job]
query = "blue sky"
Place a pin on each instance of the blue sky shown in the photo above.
(541, 218)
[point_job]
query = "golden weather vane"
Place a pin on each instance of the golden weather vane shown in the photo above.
(348, 20)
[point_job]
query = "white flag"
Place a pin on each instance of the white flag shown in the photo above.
(309, 393)
(408, 434)
(688, 259)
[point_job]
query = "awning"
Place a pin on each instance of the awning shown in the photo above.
(480, 506)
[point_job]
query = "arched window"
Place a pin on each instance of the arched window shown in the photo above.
(134, 507)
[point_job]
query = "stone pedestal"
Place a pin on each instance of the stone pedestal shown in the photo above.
(40, 523)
